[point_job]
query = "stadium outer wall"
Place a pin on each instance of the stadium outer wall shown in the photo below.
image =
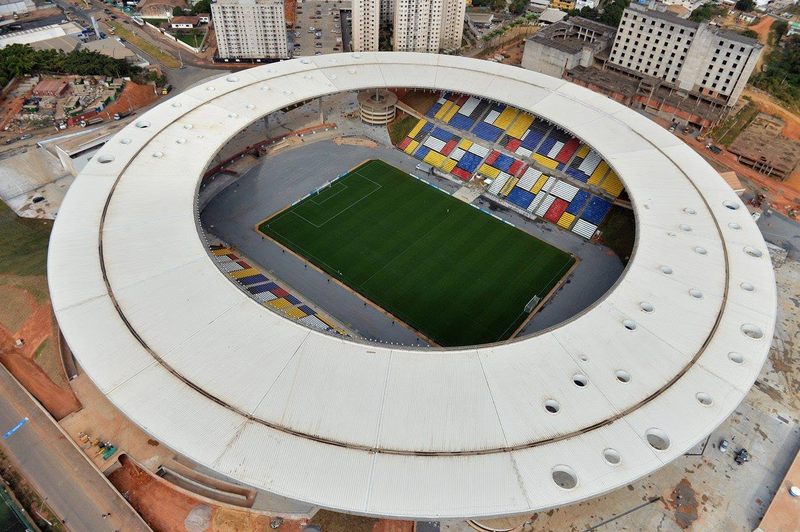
(395, 432)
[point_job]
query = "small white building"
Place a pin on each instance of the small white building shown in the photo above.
(184, 23)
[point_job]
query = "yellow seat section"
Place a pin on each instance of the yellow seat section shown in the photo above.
(583, 151)
(539, 184)
(598, 173)
(490, 171)
(279, 303)
(412, 146)
(520, 125)
(452, 112)
(417, 128)
(434, 158)
(220, 252)
(465, 144)
(449, 164)
(247, 272)
(547, 162)
(566, 220)
(508, 186)
(443, 110)
(612, 184)
(295, 313)
(506, 117)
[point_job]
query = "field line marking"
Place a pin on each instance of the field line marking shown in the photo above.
(346, 208)
(313, 196)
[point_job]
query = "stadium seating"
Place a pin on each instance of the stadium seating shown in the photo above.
(486, 131)
(520, 125)
(521, 197)
(578, 202)
(596, 210)
(612, 184)
(584, 229)
(498, 184)
(488, 171)
(555, 211)
(566, 220)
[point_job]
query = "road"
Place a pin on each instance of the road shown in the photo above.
(56, 469)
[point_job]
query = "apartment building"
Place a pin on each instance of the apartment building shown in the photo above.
(250, 29)
(428, 25)
(366, 25)
(692, 56)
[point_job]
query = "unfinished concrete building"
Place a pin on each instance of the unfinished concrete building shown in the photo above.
(762, 147)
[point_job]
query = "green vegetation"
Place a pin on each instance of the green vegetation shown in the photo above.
(203, 6)
(193, 38)
(457, 275)
(40, 349)
(494, 5)
(619, 232)
(157, 22)
(518, 7)
(706, 12)
(780, 75)
(177, 11)
(749, 33)
(23, 243)
(21, 59)
(745, 5)
(400, 128)
(153, 51)
(519, 21)
(611, 14)
(727, 131)
(779, 29)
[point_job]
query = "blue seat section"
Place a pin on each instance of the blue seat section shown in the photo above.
(577, 174)
(521, 197)
(469, 162)
(547, 145)
(433, 110)
(420, 136)
(441, 134)
(577, 202)
(253, 279)
(486, 131)
(461, 121)
(596, 210)
(291, 299)
(421, 152)
(308, 310)
(503, 162)
(258, 289)
(536, 133)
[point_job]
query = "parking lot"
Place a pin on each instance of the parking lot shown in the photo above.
(326, 37)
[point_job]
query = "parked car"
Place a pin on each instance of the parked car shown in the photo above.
(742, 456)
(723, 446)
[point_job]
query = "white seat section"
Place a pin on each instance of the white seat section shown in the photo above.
(564, 190)
(584, 228)
(544, 205)
(498, 184)
(529, 178)
(469, 106)
(590, 163)
(555, 149)
(434, 143)
(479, 150)
(491, 117)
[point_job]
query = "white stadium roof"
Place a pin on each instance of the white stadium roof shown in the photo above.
(668, 353)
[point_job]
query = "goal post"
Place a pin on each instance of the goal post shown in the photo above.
(532, 304)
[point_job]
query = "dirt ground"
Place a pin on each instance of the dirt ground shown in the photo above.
(133, 97)
(767, 104)
(35, 363)
(167, 509)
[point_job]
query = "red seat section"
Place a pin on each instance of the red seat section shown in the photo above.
(556, 210)
(570, 147)
(450, 146)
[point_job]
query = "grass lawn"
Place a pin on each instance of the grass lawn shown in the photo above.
(402, 127)
(192, 39)
(153, 51)
(23, 243)
(454, 273)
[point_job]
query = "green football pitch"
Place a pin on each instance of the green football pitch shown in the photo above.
(455, 274)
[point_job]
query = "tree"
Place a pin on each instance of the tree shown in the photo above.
(177, 11)
(745, 5)
(779, 28)
(750, 33)
(518, 7)
(203, 6)
(706, 12)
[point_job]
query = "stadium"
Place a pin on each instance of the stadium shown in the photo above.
(475, 409)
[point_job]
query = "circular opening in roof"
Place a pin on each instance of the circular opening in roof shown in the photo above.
(612, 456)
(356, 56)
(646, 307)
(125, 141)
(747, 287)
(105, 159)
(753, 252)
(564, 477)
(249, 106)
(695, 293)
(180, 140)
(730, 205)
(735, 357)
(689, 210)
(305, 61)
(629, 324)
(233, 115)
(658, 439)
(265, 88)
(187, 126)
(700, 250)
(752, 331)
(734, 226)
(552, 406)
(142, 124)
(580, 380)
(666, 270)
(584, 358)
(210, 88)
(704, 399)
(685, 228)
(158, 154)
(623, 376)
(232, 79)
(176, 104)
